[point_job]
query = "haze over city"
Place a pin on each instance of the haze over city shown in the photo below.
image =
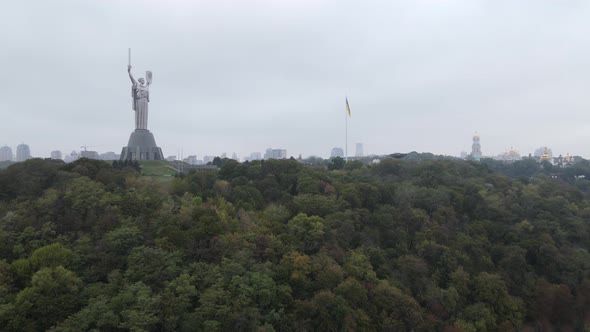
(237, 76)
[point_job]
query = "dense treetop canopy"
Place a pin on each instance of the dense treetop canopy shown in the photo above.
(423, 245)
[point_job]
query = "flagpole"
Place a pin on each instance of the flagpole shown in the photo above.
(346, 136)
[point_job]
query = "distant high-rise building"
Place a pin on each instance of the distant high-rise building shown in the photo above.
(208, 159)
(56, 155)
(171, 158)
(463, 155)
(234, 156)
(23, 152)
(5, 153)
(191, 160)
(89, 154)
(254, 156)
(275, 154)
(223, 155)
(337, 152)
(360, 150)
(476, 148)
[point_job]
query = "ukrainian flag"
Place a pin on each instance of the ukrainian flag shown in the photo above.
(347, 107)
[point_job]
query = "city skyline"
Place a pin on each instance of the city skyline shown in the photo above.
(280, 154)
(517, 73)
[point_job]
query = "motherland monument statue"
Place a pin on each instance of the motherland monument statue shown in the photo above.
(142, 144)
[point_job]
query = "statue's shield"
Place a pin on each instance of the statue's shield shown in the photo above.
(148, 77)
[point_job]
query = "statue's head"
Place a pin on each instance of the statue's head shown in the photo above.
(141, 80)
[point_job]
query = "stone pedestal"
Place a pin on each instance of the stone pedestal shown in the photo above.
(142, 146)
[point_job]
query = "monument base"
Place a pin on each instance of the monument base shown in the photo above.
(141, 146)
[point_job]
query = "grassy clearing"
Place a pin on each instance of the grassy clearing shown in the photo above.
(157, 168)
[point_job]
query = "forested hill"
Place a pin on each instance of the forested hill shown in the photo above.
(278, 246)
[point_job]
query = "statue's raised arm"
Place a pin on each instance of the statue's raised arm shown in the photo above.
(133, 81)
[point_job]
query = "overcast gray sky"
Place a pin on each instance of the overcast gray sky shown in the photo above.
(241, 76)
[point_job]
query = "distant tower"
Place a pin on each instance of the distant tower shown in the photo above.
(56, 155)
(5, 153)
(476, 148)
(359, 150)
(23, 152)
(255, 156)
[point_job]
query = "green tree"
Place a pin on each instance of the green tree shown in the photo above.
(247, 197)
(52, 296)
(152, 266)
(307, 231)
(52, 256)
(353, 292)
(357, 265)
(176, 301)
(397, 311)
(336, 163)
(317, 205)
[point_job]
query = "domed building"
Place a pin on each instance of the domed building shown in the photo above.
(547, 155)
(509, 156)
(562, 161)
(542, 150)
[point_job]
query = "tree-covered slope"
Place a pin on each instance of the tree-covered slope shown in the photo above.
(435, 245)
